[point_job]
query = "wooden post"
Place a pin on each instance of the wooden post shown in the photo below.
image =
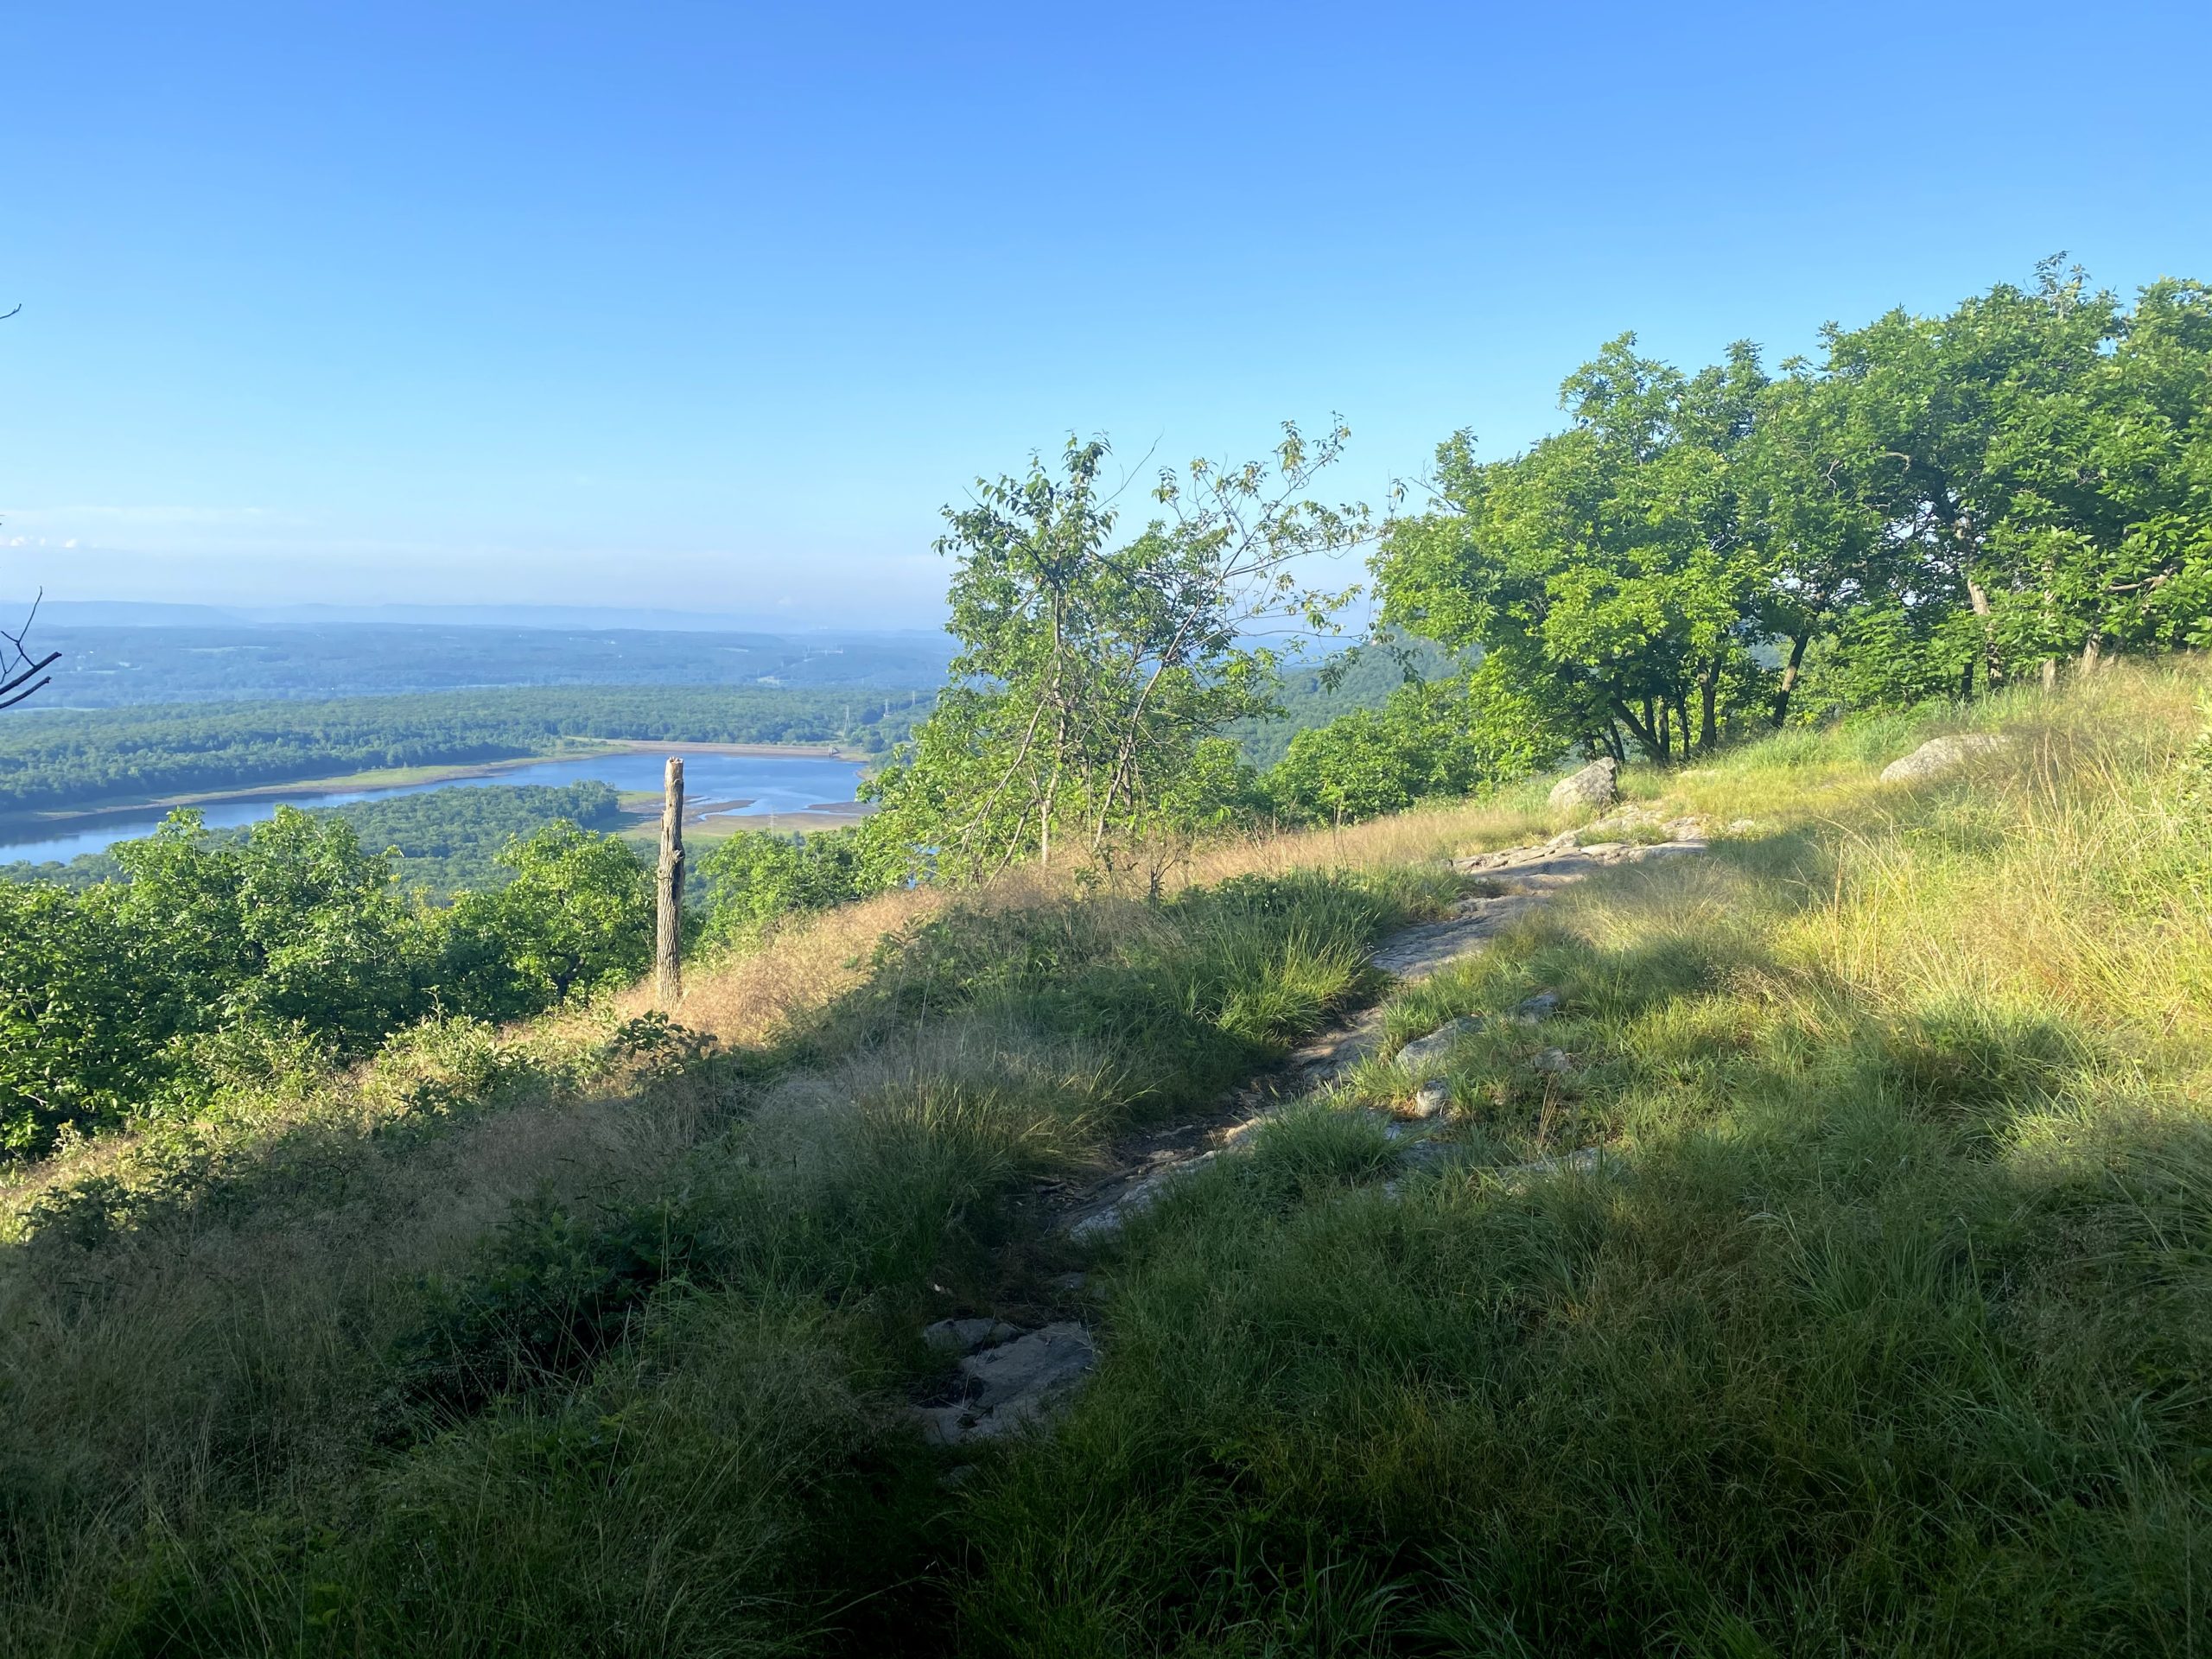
(668, 977)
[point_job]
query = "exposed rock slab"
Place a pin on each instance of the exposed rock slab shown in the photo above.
(1109, 1217)
(1014, 1384)
(965, 1336)
(1941, 755)
(1427, 1050)
(1526, 877)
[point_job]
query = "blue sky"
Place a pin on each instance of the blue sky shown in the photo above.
(715, 305)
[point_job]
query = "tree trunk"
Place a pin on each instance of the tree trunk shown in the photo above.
(1790, 677)
(1994, 666)
(668, 974)
(2092, 650)
(2049, 674)
(1640, 730)
(1708, 691)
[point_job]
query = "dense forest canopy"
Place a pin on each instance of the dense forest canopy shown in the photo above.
(1933, 506)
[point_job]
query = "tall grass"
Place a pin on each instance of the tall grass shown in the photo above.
(1882, 1328)
(591, 1340)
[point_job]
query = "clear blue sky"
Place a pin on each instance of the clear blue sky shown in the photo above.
(717, 304)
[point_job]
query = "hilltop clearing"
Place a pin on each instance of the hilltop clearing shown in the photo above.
(1795, 1245)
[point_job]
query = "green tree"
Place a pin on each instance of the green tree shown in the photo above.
(1970, 437)
(294, 923)
(1433, 740)
(1618, 563)
(754, 877)
(1092, 670)
(576, 918)
(79, 1041)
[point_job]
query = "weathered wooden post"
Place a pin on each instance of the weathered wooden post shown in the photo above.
(668, 976)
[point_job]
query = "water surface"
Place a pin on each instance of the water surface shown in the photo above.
(769, 782)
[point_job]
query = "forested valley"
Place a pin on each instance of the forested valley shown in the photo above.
(446, 839)
(65, 758)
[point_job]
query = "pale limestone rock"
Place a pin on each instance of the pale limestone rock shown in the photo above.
(1591, 790)
(1424, 1050)
(1941, 755)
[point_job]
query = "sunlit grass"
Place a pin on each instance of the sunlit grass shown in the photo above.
(1882, 1327)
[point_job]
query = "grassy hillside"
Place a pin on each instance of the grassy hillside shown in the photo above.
(1882, 1325)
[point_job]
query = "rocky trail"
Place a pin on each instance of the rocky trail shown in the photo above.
(1008, 1378)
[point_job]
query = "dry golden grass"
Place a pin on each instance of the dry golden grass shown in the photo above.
(750, 999)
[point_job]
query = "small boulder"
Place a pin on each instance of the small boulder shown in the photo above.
(1941, 755)
(1542, 1006)
(1432, 1099)
(1591, 790)
(1439, 1043)
(1553, 1059)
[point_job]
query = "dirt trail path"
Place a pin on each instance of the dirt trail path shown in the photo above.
(1524, 878)
(1010, 1378)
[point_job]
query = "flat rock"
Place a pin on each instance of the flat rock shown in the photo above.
(1140, 1195)
(1418, 951)
(965, 1336)
(1941, 755)
(1530, 1009)
(1591, 790)
(1432, 1099)
(1554, 1059)
(1425, 1051)
(1632, 815)
(1014, 1385)
(1588, 1161)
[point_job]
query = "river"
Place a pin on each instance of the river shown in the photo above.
(768, 783)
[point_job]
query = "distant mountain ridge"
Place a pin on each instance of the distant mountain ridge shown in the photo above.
(138, 613)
